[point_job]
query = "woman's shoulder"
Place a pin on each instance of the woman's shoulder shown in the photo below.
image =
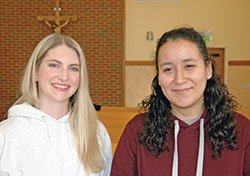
(242, 123)
(137, 122)
(11, 124)
(12, 128)
(241, 119)
(101, 128)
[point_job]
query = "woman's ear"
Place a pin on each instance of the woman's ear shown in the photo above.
(209, 70)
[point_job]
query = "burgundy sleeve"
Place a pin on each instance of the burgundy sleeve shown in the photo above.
(125, 161)
(247, 150)
(247, 161)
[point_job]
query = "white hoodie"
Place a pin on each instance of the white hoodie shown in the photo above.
(34, 144)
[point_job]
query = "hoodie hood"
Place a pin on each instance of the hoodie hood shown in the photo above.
(179, 125)
(27, 111)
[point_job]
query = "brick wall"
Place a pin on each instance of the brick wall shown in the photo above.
(99, 30)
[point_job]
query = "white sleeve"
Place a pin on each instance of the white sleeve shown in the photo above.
(2, 144)
(107, 148)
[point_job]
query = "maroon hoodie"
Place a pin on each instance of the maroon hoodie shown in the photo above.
(132, 158)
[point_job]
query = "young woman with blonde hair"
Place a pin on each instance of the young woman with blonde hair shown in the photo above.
(52, 129)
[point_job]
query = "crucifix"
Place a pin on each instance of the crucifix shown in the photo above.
(57, 22)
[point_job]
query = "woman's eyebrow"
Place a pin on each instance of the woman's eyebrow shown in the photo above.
(190, 60)
(54, 60)
(166, 63)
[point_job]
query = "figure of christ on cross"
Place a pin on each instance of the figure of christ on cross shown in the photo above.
(57, 22)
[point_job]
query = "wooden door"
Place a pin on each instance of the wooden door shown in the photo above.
(218, 55)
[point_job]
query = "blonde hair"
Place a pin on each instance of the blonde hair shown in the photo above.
(83, 117)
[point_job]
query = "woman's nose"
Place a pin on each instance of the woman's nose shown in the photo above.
(63, 74)
(180, 76)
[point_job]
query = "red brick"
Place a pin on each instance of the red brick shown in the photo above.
(99, 30)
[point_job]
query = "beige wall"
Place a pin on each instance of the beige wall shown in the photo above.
(228, 20)
(239, 84)
(138, 84)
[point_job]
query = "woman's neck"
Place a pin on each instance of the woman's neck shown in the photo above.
(187, 113)
(55, 110)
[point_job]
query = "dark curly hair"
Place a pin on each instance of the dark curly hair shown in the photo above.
(220, 104)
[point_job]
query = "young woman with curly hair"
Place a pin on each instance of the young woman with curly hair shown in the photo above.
(191, 127)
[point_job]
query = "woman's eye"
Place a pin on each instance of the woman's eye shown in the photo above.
(53, 65)
(190, 66)
(75, 69)
(168, 69)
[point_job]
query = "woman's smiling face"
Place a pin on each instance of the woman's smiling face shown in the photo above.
(183, 74)
(58, 76)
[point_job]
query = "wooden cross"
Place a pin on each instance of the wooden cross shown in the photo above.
(57, 22)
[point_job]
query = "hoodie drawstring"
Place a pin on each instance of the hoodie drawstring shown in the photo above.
(200, 153)
(201, 150)
(51, 145)
(175, 160)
